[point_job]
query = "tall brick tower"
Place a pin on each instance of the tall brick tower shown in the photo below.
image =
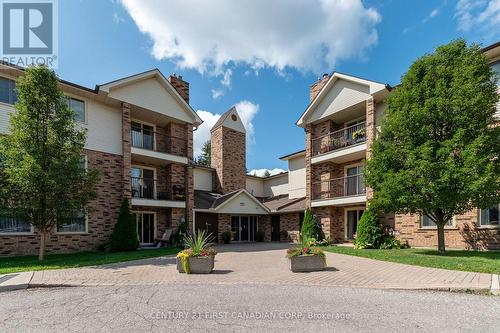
(228, 139)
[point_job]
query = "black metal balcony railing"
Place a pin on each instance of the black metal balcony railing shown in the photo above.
(149, 188)
(151, 140)
(339, 187)
(345, 137)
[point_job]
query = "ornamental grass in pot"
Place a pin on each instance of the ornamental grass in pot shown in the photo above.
(198, 255)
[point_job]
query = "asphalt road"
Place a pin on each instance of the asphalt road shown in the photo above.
(244, 308)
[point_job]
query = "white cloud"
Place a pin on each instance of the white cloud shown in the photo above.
(217, 93)
(247, 111)
(226, 79)
(202, 134)
(211, 35)
(117, 19)
(261, 172)
(478, 14)
(435, 12)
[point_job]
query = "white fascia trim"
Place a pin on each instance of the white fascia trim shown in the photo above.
(158, 203)
(358, 199)
(159, 155)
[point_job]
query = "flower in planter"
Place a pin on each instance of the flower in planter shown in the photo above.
(197, 245)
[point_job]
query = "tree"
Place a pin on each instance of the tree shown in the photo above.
(311, 228)
(267, 173)
(45, 183)
(369, 233)
(438, 150)
(124, 236)
(206, 154)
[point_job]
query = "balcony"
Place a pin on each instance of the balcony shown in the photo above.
(339, 191)
(152, 147)
(154, 193)
(340, 146)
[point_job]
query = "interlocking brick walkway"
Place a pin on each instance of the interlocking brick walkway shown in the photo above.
(265, 263)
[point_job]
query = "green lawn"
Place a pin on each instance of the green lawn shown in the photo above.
(471, 261)
(58, 261)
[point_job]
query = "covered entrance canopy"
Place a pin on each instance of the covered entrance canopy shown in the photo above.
(237, 212)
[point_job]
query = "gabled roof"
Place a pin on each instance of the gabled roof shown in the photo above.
(154, 73)
(282, 204)
(209, 201)
(374, 87)
(227, 120)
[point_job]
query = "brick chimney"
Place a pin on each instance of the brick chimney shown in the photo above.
(317, 86)
(229, 152)
(180, 85)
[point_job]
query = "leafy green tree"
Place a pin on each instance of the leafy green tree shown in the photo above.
(206, 154)
(438, 150)
(369, 233)
(124, 236)
(45, 183)
(267, 173)
(311, 228)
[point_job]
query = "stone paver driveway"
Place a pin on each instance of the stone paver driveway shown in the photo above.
(265, 263)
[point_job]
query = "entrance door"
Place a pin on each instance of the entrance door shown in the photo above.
(275, 228)
(353, 217)
(207, 222)
(244, 228)
(145, 227)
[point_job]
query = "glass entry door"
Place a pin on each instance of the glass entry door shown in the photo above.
(244, 228)
(145, 227)
(353, 217)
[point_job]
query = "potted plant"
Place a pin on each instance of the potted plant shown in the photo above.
(358, 134)
(198, 257)
(304, 258)
(227, 236)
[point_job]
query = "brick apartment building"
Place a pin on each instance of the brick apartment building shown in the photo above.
(140, 136)
(341, 122)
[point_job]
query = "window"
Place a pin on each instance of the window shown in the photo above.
(354, 181)
(428, 223)
(10, 224)
(79, 107)
(143, 183)
(143, 136)
(490, 216)
(7, 91)
(74, 224)
(496, 69)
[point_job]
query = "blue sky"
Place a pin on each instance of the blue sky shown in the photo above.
(260, 55)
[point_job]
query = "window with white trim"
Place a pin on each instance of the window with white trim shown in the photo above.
(490, 216)
(11, 224)
(426, 222)
(74, 224)
(78, 106)
(8, 91)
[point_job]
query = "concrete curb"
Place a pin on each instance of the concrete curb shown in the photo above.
(15, 281)
(495, 284)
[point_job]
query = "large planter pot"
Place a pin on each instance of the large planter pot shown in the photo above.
(306, 263)
(197, 265)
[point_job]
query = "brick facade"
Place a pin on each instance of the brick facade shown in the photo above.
(464, 233)
(228, 159)
(102, 215)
